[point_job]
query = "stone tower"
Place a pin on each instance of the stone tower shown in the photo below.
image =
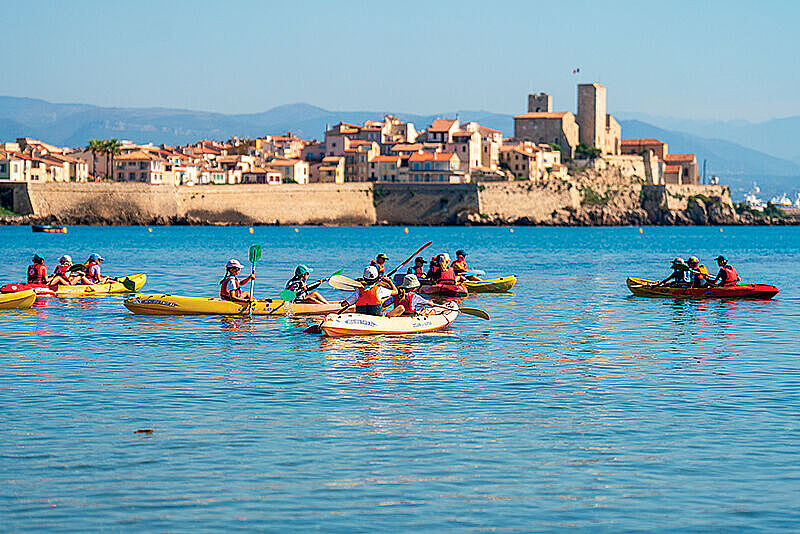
(592, 114)
(540, 102)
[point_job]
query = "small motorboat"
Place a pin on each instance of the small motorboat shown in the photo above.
(49, 229)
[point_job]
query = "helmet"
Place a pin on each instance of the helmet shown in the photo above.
(693, 260)
(66, 258)
(410, 282)
(94, 256)
(721, 258)
(232, 263)
(370, 273)
(461, 253)
(301, 270)
(37, 259)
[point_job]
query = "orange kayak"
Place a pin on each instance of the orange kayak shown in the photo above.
(647, 288)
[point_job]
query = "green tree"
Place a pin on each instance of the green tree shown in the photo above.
(586, 151)
(95, 146)
(112, 148)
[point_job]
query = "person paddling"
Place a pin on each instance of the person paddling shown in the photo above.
(460, 266)
(230, 286)
(91, 274)
(447, 276)
(698, 273)
(434, 270)
(37, 271)
(379, 262)
(418, 269)
(727, 275)
(680, 276)
(369, 298)
(61, 274)
(305, 293)
(406, 301)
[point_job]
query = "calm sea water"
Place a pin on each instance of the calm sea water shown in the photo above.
(577, 406)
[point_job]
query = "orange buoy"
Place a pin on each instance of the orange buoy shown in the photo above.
(250, 230)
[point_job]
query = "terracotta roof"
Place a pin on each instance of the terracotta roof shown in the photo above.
(432, 156)
(542, 115)
(360, 142)
(441, 125)
(260, 170)
(672, 168)
(386, 159)
(462, 134)
(136, 154)
(679, 157)
(332, 159)
(637, 142)
(489, 129)
(327, 168)
(406, 147)
(283, 162)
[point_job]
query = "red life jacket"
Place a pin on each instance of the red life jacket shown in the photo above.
(61, 270)
(434, 273)
(730, 277)
(419, 272)
(223, 291)
(447, 277)
(37, 273)
(87, 272)
(407, 301)
(381, 268)
(368, 297)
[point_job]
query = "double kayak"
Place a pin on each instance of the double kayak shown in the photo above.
(358, 324)
(494, 285)
(648, 288)
(17, 301)
(444, 290)
(127, 284)
(176, 305)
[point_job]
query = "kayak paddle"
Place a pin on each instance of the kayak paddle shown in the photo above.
(255, 255)
(344, 283)
(475, 312)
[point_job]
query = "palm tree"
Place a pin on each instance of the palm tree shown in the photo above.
(95, 145)
(112, 148)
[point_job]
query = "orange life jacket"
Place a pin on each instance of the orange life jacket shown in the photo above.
(729, 275)
(447, 277)
(223, 291)
(381, 268)
(368, 297)
(460, 266)
(37, 273)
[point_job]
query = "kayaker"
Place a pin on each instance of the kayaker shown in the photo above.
(727, 275)
(434, 270)
(369, 299)
(680, 276)
(418, 269)
(91, 274)
(305, 293)
(447, 276)
(379, 262)
(460, 266)
(230, 286)
(61, 274)
(698, 273)
(37, 271)
(406, 301)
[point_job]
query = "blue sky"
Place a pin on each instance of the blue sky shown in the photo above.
(717, 60)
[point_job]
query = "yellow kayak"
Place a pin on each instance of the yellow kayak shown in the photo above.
(127, 284)
(17, 301)
(176, 305)
(495, 285)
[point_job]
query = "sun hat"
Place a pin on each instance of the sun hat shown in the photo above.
(420, 259)
(234, 263)
(301, 270)
(445, 256)
(410, 281)
(721, 258)
(383, 256)
(66, 258)
(370, 274)
(95, 256)
(461, 253)
(37, 259)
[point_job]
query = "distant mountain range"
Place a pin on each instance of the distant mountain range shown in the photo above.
(738, 151)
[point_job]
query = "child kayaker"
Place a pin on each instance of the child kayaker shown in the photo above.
(305, 293)
(460, 266)
(230, 286)
(369, 299)
(406, 301)
(37, 272)
(698, 273)
(680, 276)
(379, 262)
(61, 274)
(91, 275)
(727, 275)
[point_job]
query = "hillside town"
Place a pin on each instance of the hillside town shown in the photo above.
(546, 144)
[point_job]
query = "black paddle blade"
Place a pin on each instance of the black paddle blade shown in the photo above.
(313, 329)
(129, 284)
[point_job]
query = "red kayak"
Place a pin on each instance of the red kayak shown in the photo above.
(445, 290)
(40, 289)
(647, 288)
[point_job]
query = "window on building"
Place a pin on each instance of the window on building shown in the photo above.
(142, 165)
(132, 176)
(441, 177)
(2, 167)
(143, 176)
(463, 149)
(427, 166)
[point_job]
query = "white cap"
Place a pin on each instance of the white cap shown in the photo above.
(234, 263)
(65, 258)
(371, 273)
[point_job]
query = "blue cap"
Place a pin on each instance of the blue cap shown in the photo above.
(94, 256)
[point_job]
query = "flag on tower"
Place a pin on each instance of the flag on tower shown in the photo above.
(575, 71)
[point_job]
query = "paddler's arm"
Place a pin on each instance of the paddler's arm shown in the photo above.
(314, 286)
(388, 284)
(667, 279)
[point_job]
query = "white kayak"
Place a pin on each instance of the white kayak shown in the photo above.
(359, 324)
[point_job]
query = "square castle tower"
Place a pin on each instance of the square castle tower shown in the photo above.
(596, 127)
